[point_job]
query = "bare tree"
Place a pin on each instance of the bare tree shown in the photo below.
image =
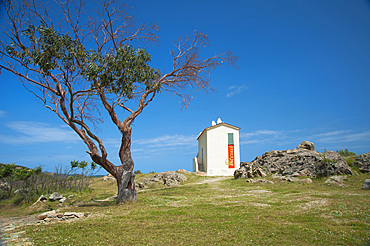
(79, 66)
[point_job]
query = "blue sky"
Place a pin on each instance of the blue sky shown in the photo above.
(303, 73)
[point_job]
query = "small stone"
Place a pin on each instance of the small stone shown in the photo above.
(366, 185)
(63, 200)
(80, 215)
(60, 215)
(140, 185)
(69, 213)
(306, 181)
(41, 216)
(48, 219)
(55, 196)
(41, 198)
(70, 196)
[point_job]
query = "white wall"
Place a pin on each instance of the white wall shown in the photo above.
(217, 151)
(214, 142)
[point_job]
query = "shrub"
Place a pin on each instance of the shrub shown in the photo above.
(31, 183)
(345, 153)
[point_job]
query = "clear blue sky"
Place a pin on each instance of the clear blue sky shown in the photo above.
(303, 74)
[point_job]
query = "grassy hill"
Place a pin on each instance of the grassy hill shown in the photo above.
(215, 211)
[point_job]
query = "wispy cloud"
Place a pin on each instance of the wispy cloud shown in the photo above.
(168, 141)
(259, 136)
(291, 138)
(2, 113)
(343, 136)
(234, 90)
(27, 132)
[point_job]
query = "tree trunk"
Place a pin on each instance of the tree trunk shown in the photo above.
(125, 176)
(126, 187)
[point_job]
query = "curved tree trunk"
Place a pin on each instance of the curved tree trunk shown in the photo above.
(125, 176)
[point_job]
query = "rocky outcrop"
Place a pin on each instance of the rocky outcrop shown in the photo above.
(363, 162)
(169, 178)
(302, 161)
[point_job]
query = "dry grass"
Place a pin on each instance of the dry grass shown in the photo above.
(222, 212)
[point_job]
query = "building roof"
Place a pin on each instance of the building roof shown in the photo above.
(215, 126)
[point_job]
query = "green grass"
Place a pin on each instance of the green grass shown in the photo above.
(226, 212)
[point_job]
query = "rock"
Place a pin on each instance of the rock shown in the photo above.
(305, 181)
(147, 182)
(63, 200)
(79, 215)
(56, 196)
(183, 171)
(42, 198)
(366, 185)
(259, 181)
(306, 145)
(363, 162)
(109, 177)
(168, 178)
(199, 173)
(41, 216)
(70, 196)
(53, 216)
(338, 180)
(140, 185)
(302, 161)
(4, 185)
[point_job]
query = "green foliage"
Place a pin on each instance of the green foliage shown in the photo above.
(118, 70)
(82, 164)
(17, 172)
(345, 153)
(137, 172)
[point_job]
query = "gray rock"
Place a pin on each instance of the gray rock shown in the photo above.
(337, 180)
(41, 198)
(366, 185)
(305, 181)
(168, 178)
(56, 196)
(363, 162)
(302, 161)
(306, 145)
(140, 185)
(109, 177)
(62, 200)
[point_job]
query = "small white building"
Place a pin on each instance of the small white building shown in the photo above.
(218, 150)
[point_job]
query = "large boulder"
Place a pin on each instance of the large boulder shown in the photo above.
(363, 162)
(301, 161)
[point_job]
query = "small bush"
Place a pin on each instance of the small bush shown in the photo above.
(345, 153)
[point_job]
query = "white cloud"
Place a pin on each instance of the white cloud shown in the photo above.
(234, 90)
(36, 132)
(343, 136)
(168, 141)
(2, 114)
